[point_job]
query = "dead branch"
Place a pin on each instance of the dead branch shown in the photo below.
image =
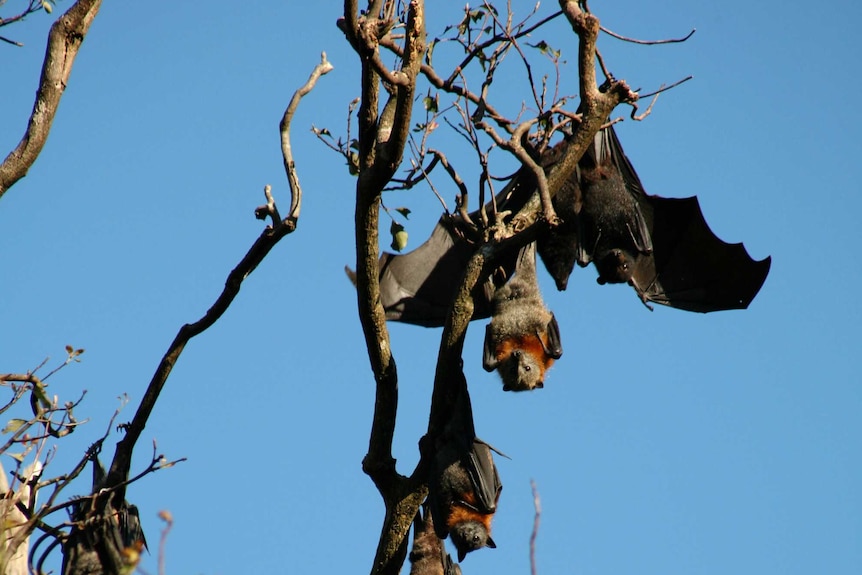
(664, 88)
(120, 466)
(648, 42)
(439, 83)
(64, 41)
(287, 153)
(514, 146)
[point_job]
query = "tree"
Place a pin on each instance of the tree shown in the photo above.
(382, 138)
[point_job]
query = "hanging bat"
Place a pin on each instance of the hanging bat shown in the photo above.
(105, 540)
(663, 247)
(428, 557)
(464, 487)
(523, 339)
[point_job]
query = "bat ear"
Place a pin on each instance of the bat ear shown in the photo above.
(461, 554)
(491, 543)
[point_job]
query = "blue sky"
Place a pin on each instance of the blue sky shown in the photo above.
(664, 442)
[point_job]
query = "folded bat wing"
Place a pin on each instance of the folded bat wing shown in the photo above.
(484, 477)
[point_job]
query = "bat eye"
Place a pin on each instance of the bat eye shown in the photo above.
(527, 368)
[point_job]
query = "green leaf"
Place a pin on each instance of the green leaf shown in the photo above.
(47, 6)
(14, 425)
(430, 104)
(545, 48)
(399, 236)
(403, 211)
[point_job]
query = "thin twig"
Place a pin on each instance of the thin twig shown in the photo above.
(169, 523)
(664, 88)
(648, 42)
(287, 153)
(537, 504)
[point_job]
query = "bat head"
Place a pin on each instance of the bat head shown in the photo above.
(522, 371)
(469, 536)
(615, 266)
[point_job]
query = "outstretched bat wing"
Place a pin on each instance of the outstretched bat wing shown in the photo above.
(686, 266)
(690, 267)
(419, 287)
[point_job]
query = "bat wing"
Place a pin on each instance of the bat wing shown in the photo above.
(690, 268)
(418, 287)
(484, 477)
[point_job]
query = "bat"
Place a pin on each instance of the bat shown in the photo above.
(108, 540)
(523, 339)
(464, 487)
(428, 557)
(662, 247)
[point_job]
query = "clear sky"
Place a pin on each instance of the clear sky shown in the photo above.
(663, 442)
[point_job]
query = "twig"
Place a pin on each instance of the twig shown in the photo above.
(664, 88)
(289, 166)
(648, 42)
(514, 146)
(169, 523)
(439, 83)
(462, 199)
(13, 42)
(537, 504)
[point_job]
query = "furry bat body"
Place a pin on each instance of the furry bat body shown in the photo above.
(428, 557)
(464, 487)
(523, 339)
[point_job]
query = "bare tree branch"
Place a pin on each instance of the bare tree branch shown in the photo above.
(382, 139)
(64, 41)
(120, 465)
(287, 153)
